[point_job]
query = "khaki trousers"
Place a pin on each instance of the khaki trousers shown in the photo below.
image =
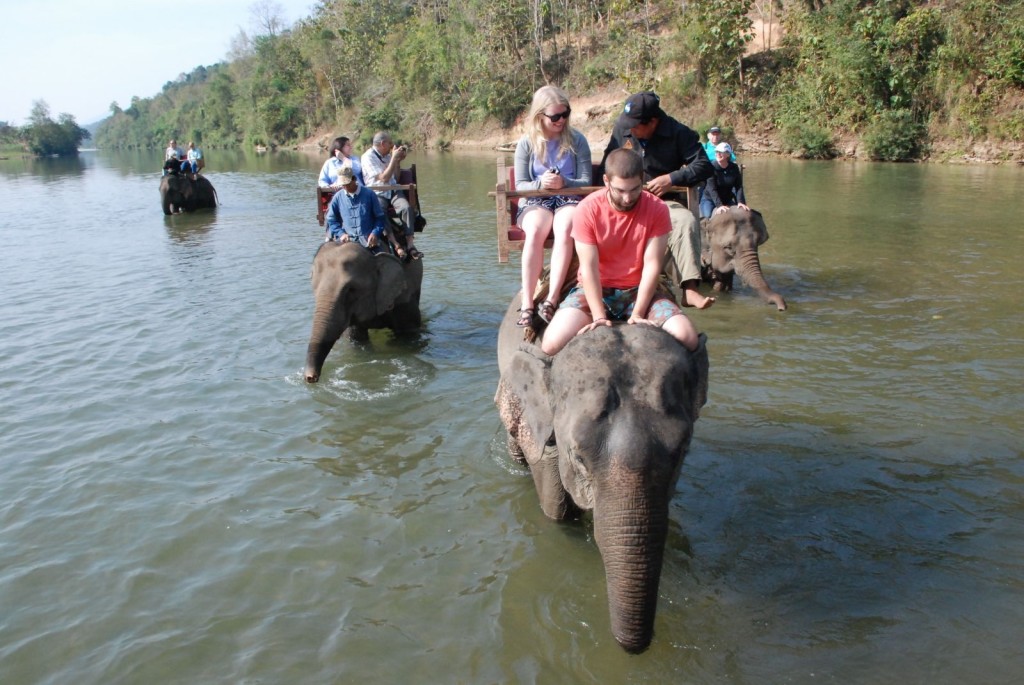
(682, 261)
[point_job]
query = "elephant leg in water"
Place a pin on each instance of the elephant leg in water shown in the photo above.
(355, 290)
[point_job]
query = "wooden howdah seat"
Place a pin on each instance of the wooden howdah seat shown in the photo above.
(406, 182)
(506, 202)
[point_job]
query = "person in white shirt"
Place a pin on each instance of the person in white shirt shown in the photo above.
(381, 164)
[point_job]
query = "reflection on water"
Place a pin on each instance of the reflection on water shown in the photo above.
(190, 227)
(43, 169)
(179, 506)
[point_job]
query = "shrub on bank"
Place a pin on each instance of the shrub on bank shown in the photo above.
(807, 140)
(894, 136)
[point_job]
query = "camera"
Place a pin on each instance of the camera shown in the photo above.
(554, 170)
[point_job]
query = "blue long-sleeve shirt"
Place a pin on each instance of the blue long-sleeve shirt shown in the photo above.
(329, 171)
(359, 215)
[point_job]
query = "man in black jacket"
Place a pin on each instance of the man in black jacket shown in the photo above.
(673, 156)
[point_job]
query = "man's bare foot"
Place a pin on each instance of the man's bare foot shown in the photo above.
(693, 298)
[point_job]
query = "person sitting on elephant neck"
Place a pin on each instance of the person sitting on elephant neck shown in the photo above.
(381, 164)
(621, 234)
(355, 215)
(672, 156)
(174, 165)
(725, 187)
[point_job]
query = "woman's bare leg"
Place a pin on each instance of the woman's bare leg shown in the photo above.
(561, 251)
(537, 225)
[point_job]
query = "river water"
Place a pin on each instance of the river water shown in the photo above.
(178, 506)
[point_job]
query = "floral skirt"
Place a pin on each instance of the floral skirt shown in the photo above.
(552, 204)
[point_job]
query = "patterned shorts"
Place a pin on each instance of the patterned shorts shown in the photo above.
(619, 304)
(552, 204)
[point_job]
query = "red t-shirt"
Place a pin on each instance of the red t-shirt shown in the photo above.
(620, 237)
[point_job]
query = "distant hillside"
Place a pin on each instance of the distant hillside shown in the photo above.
(92, 128)
(886, 80)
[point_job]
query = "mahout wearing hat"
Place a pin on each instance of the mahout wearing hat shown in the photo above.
(346, 175)
(640, 108)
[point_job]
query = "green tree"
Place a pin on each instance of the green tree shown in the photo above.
(48, 137)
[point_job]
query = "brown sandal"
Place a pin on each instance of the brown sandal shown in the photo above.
(546, 311)
(525, 318)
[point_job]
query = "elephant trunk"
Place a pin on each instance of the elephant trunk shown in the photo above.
(748, 265)
(327, 328)
(630, 528)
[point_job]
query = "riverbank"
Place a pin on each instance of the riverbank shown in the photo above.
(595, 114)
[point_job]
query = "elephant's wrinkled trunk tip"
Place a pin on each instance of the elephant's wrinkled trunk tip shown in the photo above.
(634, 647)
(312, 377)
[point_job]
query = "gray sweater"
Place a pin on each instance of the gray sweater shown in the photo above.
(525, 180)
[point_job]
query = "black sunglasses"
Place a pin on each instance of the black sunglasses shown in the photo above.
(559, 116)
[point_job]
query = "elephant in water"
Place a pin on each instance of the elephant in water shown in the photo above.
(604, 426)
(355, 291)
(178, 193)
(729, 243)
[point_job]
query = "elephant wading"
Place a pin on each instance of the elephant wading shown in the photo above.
(180, 194)
(355, 291)
(604, 426)
(729, 243)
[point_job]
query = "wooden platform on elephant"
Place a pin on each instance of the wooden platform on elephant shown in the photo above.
(506, 204)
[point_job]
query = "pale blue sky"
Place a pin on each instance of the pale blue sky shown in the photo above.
(79, 56)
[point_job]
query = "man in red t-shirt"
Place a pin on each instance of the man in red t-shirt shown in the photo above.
(621, 234)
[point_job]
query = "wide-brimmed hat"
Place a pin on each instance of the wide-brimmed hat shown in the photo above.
(640, 108)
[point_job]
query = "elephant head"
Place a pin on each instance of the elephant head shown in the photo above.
(179, 193)
(355, 290)
(604, 426)
(730, 241)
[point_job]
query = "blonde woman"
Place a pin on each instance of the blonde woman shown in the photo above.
(551, 155)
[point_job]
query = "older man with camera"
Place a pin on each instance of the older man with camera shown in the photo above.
(381, 164)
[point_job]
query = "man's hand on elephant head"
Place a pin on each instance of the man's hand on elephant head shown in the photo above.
(603, 321)
(642, 321)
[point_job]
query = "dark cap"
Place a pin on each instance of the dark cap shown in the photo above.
(640, 108)
(714, 129)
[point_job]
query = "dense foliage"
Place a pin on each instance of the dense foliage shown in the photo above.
(42, 135)
(893, 73)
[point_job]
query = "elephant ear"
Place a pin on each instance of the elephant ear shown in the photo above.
(699, 365)
(390, 282)
(527, 380)
(760, 227)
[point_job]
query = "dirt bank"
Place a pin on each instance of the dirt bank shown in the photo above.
(595, 114)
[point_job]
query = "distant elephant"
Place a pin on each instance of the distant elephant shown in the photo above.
(355, 291)
(604, 426)
(729, 243)
(178, 193)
